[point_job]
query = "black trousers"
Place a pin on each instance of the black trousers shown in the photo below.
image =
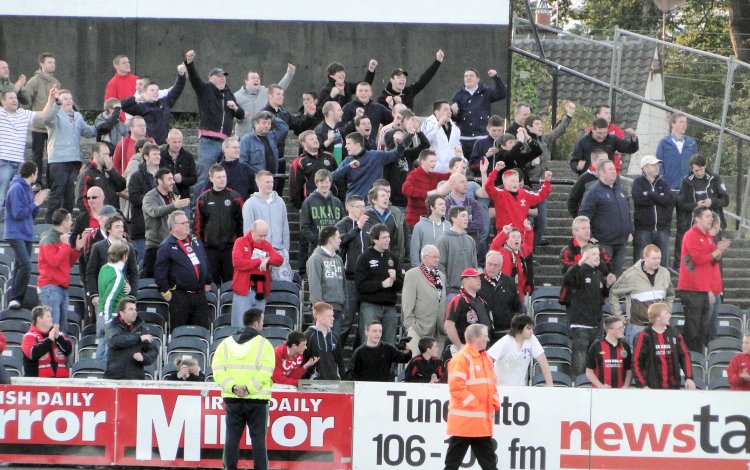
(149, 260)
(220, 264)
(482, 447)
(241, 413)
(188, 308)
(696, 308)
(38, 144)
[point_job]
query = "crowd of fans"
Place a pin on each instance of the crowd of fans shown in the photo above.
(393, 212)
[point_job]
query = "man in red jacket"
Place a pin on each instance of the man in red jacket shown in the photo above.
(252, 257)
(289, 356)
(45, 348)
(420, 183)
(699, 276)
(56, 259)
(739, 369)
(122, 84)
(516, 245)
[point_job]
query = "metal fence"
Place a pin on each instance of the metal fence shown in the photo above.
(711, 90)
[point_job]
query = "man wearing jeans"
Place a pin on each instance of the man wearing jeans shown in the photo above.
(379, 279)
(218, 109)
(56, 259)
(14, 129)
(21, 207)
(652, 214)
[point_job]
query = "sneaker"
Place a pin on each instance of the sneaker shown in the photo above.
(14, 305)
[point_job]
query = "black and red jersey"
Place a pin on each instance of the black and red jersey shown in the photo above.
(610, 362)
(658, 358)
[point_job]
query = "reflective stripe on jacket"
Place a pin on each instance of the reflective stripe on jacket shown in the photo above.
(250, 364)
(474, 398)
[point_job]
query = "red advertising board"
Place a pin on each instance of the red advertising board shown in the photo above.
(57, 424)
(184, 427)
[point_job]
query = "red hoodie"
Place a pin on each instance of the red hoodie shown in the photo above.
(288, 370)
(515, 260)
(56, 259)
(699, 271)
(739, 363)
(416, 186)
(246, 258)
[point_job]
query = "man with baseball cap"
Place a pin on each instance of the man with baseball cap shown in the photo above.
(465, 309)
(218, 108)
(397, 91)
(652, 215)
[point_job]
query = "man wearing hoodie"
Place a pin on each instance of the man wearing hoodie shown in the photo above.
(65, 128)
(21, 207)
(471, 106)
(457, 248)
(37, 89)
(268, 206)
(379, 279)
(217, 108)
(320, 209)
(325, 271)
(429, 228)
(382, 212)
(243, 366)
(652, 210)
(418, 185)
(398, 92)
(324, 344)
(252, 258)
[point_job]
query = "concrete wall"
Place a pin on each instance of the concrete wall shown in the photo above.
(84, 48)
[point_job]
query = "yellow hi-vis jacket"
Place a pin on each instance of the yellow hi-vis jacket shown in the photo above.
(474, 399)
(249, 363)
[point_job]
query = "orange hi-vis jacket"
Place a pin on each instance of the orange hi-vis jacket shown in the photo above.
(474, 398)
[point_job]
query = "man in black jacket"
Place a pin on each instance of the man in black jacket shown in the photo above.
(180, 162)
(218, 223)
(99, 171)
(353, 241)
(652, 213)
(588, 290)
(218, 109)
(129, 348)
(376, 112)
(379, 279)
(338, 89)
(600, 138)
(304, 167)
(397, 91)
(115, 227)
(500, 293)
(140, 183)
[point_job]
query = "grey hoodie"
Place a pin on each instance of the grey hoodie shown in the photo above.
(425, 232)
(273, 211)
(325, 274)
(458, 251)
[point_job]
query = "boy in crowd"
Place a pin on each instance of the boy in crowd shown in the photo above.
(289, 360)
(610, 361)
(372, 362)
(427, 366)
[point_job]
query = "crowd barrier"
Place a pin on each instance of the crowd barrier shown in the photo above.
(365, 426)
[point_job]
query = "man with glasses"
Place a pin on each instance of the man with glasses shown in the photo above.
(99, 171)
(182, 274)
(423, 299)
(610, 361)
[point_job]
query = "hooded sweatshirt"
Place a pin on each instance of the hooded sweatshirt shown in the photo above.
(426, 232)
(325, 273)
(325, 346)
(273, 211)
(317, 212)
(458, 251)
(20, 211)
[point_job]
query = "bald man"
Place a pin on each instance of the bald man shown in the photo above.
(252, 258)
(458, 196)
(180, 162)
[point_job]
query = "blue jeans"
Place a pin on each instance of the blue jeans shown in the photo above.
(209, 152)
(243, 303)
(540, 222)
(617, 253)
(582, 338)
(8, 170)
(101, 339)
(351, 307)
(57, 298)
(659, 238)
(19, 280)
(62, 178)
(484, 233)
(140, 252)
(712, 320)
(385, 314)
(631, 333)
